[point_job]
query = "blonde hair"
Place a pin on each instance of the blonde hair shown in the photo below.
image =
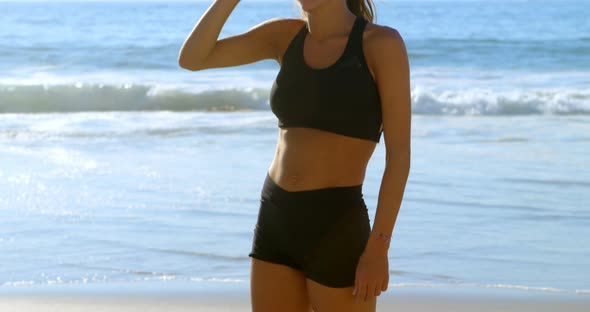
(362, 8)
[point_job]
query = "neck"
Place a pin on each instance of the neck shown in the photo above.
(331, 19)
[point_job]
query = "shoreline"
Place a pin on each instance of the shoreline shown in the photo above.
(216, 296)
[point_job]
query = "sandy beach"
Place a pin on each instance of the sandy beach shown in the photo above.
(236, 298)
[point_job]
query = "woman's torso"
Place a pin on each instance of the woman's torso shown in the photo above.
(308, 158)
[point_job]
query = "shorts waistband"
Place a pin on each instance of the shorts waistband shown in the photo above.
(337, 193)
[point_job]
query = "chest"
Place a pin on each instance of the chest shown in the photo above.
(343, 90)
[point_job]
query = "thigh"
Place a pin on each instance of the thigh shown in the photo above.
(331, 299)
(277, 287)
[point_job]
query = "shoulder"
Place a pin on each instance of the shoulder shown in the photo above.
(279, 27)
(383, 44)
(287, 28)
(281, 32)
(378, 37)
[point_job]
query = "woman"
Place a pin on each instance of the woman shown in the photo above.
(343, 82)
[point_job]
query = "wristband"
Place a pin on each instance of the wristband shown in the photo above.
(386, 238)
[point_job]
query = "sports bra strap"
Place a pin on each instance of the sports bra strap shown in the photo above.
(356, 39)
(353, 44)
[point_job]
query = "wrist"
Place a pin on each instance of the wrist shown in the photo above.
(378, 243)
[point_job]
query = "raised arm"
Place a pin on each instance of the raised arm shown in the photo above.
(202, 49)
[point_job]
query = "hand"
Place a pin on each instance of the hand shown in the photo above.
(372, 274)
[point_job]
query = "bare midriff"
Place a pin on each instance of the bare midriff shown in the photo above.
(308, 158)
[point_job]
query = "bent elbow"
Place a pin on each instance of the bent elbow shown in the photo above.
(183, 63)
(187, 62)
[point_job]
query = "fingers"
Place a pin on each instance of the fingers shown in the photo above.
(385, 283)
(377, 290)
(361, 293)
(360, 289)
(365, 292)
(365, 289)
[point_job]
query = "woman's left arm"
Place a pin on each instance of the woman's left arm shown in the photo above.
(387, 52)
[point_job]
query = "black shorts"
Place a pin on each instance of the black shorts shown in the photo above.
(321, 232)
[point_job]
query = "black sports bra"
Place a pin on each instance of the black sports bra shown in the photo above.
(342, 98)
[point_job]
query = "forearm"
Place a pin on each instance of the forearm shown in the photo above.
(204, 35)
(390, 198)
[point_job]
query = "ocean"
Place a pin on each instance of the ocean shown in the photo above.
(118, 167)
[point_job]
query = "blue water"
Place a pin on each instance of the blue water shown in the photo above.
(117, 166)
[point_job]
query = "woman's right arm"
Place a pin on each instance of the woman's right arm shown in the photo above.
(202, 50)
